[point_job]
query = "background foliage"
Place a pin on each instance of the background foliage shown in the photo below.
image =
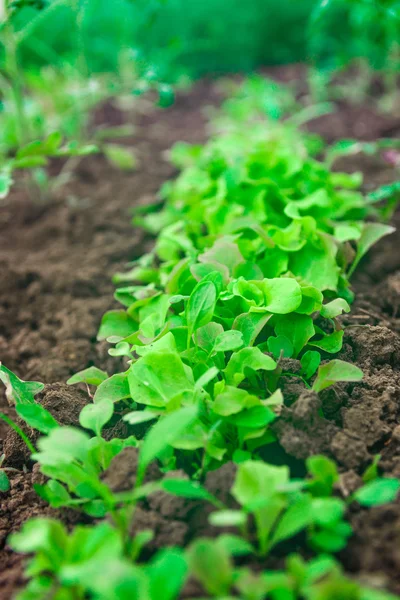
(211, 36)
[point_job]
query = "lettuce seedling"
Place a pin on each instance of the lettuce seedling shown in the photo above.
(74, 463)
(282, 508)
(69, 456)
(4, 480)
(21, 394)
(18, 391)
(251, 239)
(211, 564)
(378, 491)
(333, 371)
(90, 376)
(320, 578)
(91, 561)
(37, 154)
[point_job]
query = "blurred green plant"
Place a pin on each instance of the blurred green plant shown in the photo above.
(58, 102)
(369, 29)
(175, 36)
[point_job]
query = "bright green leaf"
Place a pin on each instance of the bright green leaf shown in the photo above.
(228, 518)
(201, 305)
(282, 295)
(164, 433)
(379, 491)
(280, 346)
(250, 325)
(211, 565)
(17, 390)
(247, 359)
(371, 233)
(159, 377)
(116, 323)
(91, 376)
(297, 517)
(95, 416)
(310, 362)
(115, 388)
(186, 489)
(37, 417)
(334, 371)
(228, 341)
(331, 343)
(4, 482)
(334, 308)
(296, 328)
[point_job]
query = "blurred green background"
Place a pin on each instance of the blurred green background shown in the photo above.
(207, 36)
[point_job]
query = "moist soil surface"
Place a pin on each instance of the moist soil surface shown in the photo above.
(56, 263)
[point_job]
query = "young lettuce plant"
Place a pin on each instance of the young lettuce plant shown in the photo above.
(73, 461)
(76, 564)
(68, 456)
(281, 507)
(295, 213)
(91, 561)
(208, 346)
(37, 154)
(255, 242)
(21, 395)
(212, 563)
(4, 479)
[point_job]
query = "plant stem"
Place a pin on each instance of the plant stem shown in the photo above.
(14, 73)
(28, 29)
(82, 65)
(18, 430)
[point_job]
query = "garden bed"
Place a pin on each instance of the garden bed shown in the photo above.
(57, 261)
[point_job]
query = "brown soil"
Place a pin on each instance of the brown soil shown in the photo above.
(56, 262)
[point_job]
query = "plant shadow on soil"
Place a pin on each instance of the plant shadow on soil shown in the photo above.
(56, 263)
